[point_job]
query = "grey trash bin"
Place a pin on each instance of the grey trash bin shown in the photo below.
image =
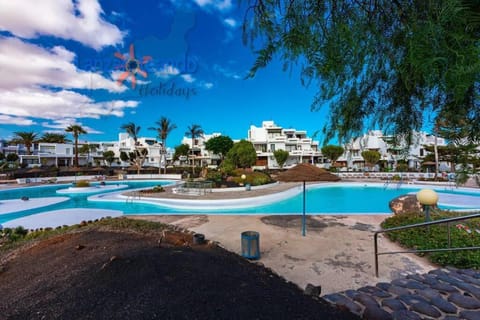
(250, 245)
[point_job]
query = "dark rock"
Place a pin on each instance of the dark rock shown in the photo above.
(412, 284)
(383, 285)
(470, 315)
(416, 277)
(393, 304)
(443, 287)
(412, 299)
(473, 290)
(398, 290)
(464, 301)
(428, 293)
(405, 315)
(443, 305)
(79, 247)
(438, 272)
(429, 279)
(311, 290)
(404, 204)
(376, 313)
(342, 301)
(366, 300)
(426, 309)
(451, 318)
(400, 282)
(351, 293)
(375, 292)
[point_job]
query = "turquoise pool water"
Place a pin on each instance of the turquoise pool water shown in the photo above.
(333, 199)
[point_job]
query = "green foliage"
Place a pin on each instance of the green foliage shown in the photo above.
(50, 137)
(227, 167)
(124, 156)
(82, 184)
(281, 157)
(371, 156)
(76, 130)
(132, 130)
(402, 167)
(436, 237)
(12, 157)
(254, 179)
(242, 154)
(2, 156)
(214, 175)
(25, 138)
(381, 63)
(332, 152)
(109, 156)
(219, 145)
(181, 150)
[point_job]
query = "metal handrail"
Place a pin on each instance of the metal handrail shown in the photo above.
(423, 224)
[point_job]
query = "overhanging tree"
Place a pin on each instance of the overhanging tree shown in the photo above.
(382, 63)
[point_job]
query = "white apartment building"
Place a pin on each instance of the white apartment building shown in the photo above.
(62, 155)
(198, 153)
(270, 137)
(390, 152)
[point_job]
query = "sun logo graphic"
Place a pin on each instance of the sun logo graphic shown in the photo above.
(132, 67)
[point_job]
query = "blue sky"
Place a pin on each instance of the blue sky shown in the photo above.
(61, 63)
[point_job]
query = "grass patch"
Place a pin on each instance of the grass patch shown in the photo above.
(14, 238)
(464, 233)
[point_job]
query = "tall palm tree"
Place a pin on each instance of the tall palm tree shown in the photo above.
(194, 131)
(76, 130)
(51, 137)
(133, 130)
(140, 153)
(27, 138)
(163, 130)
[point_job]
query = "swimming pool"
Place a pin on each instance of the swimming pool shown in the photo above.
(338, 198)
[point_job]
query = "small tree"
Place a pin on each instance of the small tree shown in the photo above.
(219, 145)
(371, 157)
(109, 156)
(281, 157)
(181, 150)
(12, 157)
(332, 152)
(242, 154)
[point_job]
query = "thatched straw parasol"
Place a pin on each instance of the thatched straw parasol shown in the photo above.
(304, 172)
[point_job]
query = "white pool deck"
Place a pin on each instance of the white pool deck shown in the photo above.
(92, 189)
(10, 206)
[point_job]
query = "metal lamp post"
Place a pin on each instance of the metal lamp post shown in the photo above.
(427, 198)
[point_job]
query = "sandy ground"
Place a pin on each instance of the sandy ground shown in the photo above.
(337, 252)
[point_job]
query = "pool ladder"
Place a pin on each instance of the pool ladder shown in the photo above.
(131, 198)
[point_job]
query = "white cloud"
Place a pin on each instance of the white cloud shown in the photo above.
(31, 65)
(226, 72)
(208, 85)
(230, 22)
(41, 85)
(61, 125)
(115, 75)
(188, 78)
(167, 71)
(19, 121)
(221, 5)
(79, 20)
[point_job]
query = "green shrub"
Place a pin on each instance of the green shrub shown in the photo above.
(158, 189)
(435, 237)
(82, 184)
(253, 178)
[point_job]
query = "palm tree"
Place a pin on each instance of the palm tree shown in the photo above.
(194, 131)
(27, 138)
(76, 130)
(133, 130)
(51, 137)
(163, 130)
(140, 153)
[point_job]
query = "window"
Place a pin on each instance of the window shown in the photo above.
(422, 152)
(272, 147)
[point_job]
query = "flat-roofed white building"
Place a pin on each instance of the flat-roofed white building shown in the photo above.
(391, 151)
(270, 137)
